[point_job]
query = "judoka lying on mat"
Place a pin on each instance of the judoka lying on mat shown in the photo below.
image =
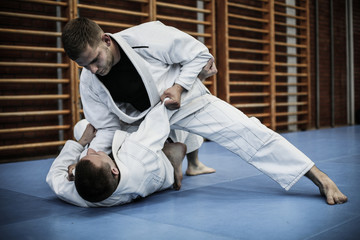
(140, 164)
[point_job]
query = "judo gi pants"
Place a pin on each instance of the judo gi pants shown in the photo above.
(252, 141)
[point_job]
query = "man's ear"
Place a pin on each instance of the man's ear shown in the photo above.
(106, 38)
(115, 171)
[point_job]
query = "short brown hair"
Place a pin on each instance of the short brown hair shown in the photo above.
(77, 34)
(94, 184)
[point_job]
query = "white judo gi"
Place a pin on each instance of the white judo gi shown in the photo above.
(163, 56)
(144, 168)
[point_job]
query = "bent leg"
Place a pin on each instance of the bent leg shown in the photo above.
(195, 167)
(326, 186)
(193, 142)
(175, 152)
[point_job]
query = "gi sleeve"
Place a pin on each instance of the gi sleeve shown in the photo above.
(58, 173)
(172, 46)
(98, 114)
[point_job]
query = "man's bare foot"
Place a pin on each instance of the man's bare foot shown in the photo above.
(326, 186)
(175, 152)
(195, 167)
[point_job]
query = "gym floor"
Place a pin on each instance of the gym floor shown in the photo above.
(236, 202)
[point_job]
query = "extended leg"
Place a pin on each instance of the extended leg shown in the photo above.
(259, 146)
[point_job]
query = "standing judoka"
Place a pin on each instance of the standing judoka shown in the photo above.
(114, 96)
(166, 63)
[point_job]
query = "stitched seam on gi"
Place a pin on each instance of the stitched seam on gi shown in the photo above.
(229, 139)
(245, 127)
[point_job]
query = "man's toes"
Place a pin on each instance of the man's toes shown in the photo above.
(177, 186)
(330, 200)
(342, 199)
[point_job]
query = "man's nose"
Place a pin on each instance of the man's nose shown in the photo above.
(91, 151)
(93, 68)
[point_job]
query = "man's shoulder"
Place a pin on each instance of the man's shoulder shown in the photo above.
(142, 26)
(133, 33)
(89, 80)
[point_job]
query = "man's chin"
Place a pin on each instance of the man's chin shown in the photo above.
(103, 73)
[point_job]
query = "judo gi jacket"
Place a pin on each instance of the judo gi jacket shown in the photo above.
(163, 56)
(144, 168)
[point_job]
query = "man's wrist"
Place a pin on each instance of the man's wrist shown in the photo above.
(82, 143)
(179, 87)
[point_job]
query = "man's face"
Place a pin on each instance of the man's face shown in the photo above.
(101, 159)
(99, 60)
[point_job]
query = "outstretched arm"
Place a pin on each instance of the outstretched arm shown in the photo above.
(58, 175)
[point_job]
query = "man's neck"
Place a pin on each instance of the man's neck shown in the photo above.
(116, 51)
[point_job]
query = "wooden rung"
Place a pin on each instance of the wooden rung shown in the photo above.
(291, 94)
(56, 3)
(291, 74)
(182, 7)
(113, 10)
(290, 84)
(30, 32)
(290, 55)
(290, 6)
(291, 123)
(290, 35)
(291, 64)
(248, 83)
(290, 25)
(247, 7)
(248, 18)
(249, 40)
(247, 50)
(290, 45)
(112, 24)
(250, 105)
(34, 16)
(282, 114)
(249, 72)
(290, 16)
(249, 94)
(248, 29)
(33, 129)
(260, 115)
(34, 64)
(248, 61)
(179, 19)
(35, 97)
(140, 1)
(31, 80)
(208, 82)
(286, 104)
(32, 145)
(34, 113)
(31, 48)
(197, 34)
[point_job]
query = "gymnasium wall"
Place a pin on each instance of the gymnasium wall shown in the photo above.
(264, 51)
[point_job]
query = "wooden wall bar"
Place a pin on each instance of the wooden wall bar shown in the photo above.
(35, 82)
(264, 60)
